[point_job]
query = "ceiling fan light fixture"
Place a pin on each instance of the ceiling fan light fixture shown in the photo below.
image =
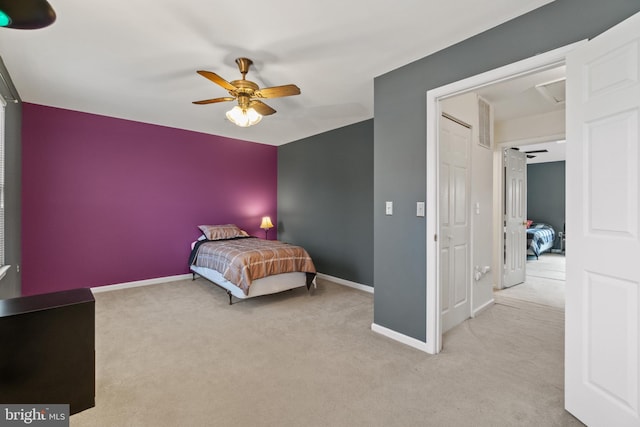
(243, 117)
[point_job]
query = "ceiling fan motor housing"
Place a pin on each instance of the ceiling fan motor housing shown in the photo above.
(243, 65)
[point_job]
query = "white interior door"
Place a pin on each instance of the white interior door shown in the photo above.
(455, 273)
(515, 213)
(602, 360)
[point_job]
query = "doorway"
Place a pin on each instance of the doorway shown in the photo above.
(536, 64)
(518, 110)
(545, 271)
(601, 318)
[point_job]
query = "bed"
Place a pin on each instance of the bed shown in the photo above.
(246, 266)
(540, 238)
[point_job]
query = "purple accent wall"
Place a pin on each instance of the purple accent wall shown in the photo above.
(108, 201)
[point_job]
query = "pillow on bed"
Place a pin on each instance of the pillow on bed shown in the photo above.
(219, 232)
(529, 222)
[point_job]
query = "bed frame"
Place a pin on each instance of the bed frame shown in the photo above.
(266, 285)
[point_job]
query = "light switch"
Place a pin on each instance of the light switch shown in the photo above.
(388, 208)
(419, 208)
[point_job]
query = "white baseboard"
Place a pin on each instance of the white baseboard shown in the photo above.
(397, 336)
(344, 282)
(483, 307)
(159, 280)
(139, 283)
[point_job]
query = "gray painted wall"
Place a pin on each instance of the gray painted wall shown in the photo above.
(325, 200)
(546, 194)
(10, 284)
(400, 135)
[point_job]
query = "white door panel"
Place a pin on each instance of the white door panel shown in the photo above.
(445, 184)
(461, 282)
(602, 346)
(445, 282)
(455, 273)
(460, 200)
(612, 141)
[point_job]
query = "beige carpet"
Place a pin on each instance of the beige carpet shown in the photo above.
(544, 282)
(177, 354)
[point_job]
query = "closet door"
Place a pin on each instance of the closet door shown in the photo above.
(455, 272)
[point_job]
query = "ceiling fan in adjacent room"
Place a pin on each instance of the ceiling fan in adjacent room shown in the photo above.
(530, 153)
(250, 108)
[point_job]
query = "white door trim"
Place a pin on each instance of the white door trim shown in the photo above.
(537, 63)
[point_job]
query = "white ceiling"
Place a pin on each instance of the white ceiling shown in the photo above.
(137, 59)
(520, 97)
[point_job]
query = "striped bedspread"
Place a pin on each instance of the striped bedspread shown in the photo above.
(541, 238)
(243, 260)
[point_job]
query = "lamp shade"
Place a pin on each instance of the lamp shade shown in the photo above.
(243, 117)
(266, 223)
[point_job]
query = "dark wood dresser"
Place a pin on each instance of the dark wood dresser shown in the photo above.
(47, 349)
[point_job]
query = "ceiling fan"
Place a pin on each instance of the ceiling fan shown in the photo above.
(250, 108)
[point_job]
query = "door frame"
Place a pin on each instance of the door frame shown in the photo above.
(537, 63)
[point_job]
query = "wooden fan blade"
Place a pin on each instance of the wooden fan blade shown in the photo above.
(214, 100)
(277, 91)
(261, 107)
(216, 79)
